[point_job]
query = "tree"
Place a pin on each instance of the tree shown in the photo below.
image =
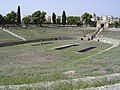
(58, 20)
(64, 18)
(42, 17)
(116, 24)
(70, 20)
(26, 20)
(10, 18)
(86, 17)
(18, 16)
(38, 17)
(93, 23)
(73, 20)
(54, 18)
(2, 20)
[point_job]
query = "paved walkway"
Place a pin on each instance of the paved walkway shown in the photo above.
(13, 34)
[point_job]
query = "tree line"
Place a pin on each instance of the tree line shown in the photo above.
(38, 18)
(58, 19)
(12, 18)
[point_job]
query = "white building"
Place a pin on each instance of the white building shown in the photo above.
(49, 19)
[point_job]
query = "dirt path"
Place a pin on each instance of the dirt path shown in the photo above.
(13, 34)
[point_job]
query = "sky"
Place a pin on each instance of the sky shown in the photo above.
(72, 7)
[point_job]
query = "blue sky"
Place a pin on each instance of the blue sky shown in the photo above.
(72, 7)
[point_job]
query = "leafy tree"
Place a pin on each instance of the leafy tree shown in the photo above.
(86, 17)
(2, 20)
(54, 18)
(93, 23)
(38, 17)
(18, 16)
(64, 18)
(26, 20)
(11, 18)
(70, 20)
(77, 19)
(42, 17)
(58, 20)
(116, 24)
(6, 19)
(73, 20)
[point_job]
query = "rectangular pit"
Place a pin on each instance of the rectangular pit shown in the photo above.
(86, 49)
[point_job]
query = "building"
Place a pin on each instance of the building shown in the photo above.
(104, 21)
(49, 19)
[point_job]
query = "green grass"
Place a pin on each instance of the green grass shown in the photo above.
(33, 62)
(5, 37)
(82, 84)
(106, 63)
(27, 63)
(43, 32)
(74, 86)
(111, 34)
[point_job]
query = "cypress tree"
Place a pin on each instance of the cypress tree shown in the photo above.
(64, 18)
(2, 20)
(18, 16)
(54, 18)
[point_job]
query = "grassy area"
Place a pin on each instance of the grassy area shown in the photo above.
(111, 34)
(36, 62)
(108, 62)
(43, 32)
(74, 86)
(5, 37)
(31, 63)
